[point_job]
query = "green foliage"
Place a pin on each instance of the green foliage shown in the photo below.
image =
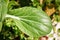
(48, 1)
(35, 20)
(57, 2)
(11, 4)
(9, 30)
(3, 11)
(35, 2)
(22, 22)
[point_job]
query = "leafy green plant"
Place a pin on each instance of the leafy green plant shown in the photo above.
(31, 21)
(3, 11)
(12, 4)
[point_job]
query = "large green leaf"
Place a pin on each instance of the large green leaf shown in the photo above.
(31, 21)
(3, 11)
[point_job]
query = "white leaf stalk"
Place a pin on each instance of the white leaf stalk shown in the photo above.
(12, 16)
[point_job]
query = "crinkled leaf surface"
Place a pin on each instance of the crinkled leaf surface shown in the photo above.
(32, 21)
(3, 10)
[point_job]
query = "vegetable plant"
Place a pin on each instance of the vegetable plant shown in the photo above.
(31, 21)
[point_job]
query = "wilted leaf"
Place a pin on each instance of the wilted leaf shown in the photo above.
(50, 11)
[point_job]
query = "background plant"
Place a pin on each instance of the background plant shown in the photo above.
(21, 10)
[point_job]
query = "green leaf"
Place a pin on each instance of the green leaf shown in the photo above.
(57, 2)
(32, 21)
(35, 2)
(11, 4)
(48, 1)
(3, 10)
